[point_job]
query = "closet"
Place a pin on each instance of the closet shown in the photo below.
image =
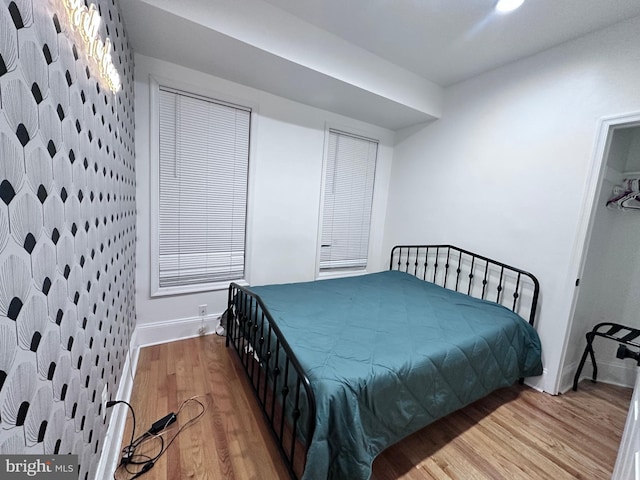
(610, 283)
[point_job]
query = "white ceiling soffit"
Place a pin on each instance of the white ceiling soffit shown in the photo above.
(381, 61)
(448, 41)
(271, 50)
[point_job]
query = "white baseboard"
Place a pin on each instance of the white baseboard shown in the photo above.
(537, 383)
(172, 330)
(623, 375)
(117, 417)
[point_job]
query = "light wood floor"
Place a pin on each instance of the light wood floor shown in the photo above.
(515, 433)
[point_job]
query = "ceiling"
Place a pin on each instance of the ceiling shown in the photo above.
(448, 41)
(386, 62)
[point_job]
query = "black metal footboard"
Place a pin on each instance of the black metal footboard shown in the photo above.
(279, 383)
(474, 275)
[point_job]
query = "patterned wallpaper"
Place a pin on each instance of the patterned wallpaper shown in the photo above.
(67, 231)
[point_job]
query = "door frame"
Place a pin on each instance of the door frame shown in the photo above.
(606, 127)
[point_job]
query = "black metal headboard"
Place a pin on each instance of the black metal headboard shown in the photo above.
(466, 272)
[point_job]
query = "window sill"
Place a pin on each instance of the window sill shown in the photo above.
(200, 288)
(340, 274)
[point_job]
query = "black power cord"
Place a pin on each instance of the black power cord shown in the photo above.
(126, 451)
(146, 467)
(163, 423)
(131, 458)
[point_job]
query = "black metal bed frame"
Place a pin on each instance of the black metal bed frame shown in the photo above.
(278, 381)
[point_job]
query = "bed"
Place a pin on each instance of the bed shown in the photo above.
(343, 368)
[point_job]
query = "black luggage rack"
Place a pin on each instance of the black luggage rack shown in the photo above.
(613, 331)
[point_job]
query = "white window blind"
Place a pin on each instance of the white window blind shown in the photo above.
(204, 159)
(348, 195)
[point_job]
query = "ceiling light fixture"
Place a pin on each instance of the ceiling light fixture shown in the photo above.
(505, 6)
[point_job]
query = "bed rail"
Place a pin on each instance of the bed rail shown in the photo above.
(474, 275)
(276, 377)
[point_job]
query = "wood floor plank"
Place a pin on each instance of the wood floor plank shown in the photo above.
(514, 433)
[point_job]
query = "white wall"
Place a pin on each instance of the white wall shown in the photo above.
(504, 171)
(284, 192)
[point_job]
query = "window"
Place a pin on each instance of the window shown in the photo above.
(203, 159)
(347, 200)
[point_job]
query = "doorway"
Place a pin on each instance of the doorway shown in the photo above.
(609, 263)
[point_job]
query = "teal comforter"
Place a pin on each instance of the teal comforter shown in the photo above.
(387, 354)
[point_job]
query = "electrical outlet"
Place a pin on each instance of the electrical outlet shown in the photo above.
(203, 310)
(105, 399)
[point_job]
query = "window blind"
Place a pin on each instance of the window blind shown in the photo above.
(204, 158)
(348, 196)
